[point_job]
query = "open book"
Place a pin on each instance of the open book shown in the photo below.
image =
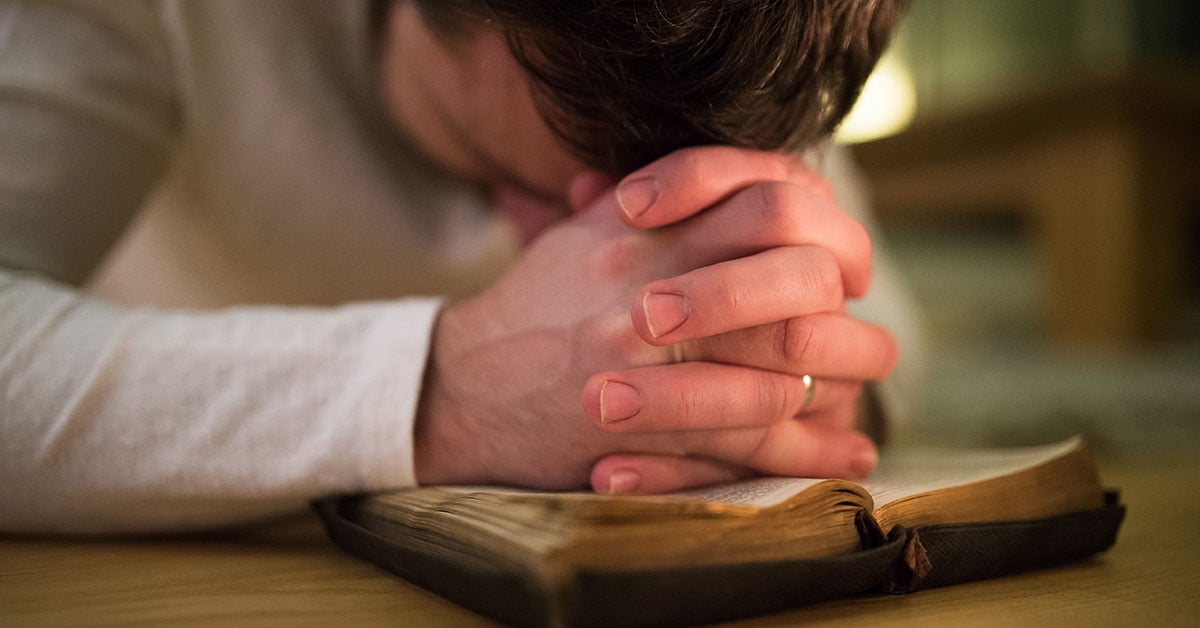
(922, 519)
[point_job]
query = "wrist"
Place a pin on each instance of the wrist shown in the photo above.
(437, 447)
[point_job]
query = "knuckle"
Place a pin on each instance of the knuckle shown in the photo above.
(774, 204)
(757, 450)
(684, 405)
(689, 165)
(861, 246)
(822, 277)
(823, 188)
(796, 167)
(764, 450)
(814, 183)
(860, 239)
(612, 333)
(790, 167)
(689, 168)
(777, 401)
(889, 352)
(618, 256)
(800, 173)
(786, 210)
(800, 343)
(721, 444)
(730, 299)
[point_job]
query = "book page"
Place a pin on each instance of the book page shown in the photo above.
(759, 492)
(902, 474)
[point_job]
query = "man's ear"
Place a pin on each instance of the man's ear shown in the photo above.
(586, 187)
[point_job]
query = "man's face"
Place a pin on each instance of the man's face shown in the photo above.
(465, 101)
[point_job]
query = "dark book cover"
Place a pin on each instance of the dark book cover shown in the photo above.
(903, 561)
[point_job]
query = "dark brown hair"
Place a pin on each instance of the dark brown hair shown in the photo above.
(623, 82)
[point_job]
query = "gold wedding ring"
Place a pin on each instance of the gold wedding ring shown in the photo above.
(810, 390)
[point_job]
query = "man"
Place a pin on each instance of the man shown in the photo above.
(300, 170)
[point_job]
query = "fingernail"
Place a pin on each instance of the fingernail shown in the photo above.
(665, 312)
(637, 195)
(623, 481)
(618, 401)
(864, 461)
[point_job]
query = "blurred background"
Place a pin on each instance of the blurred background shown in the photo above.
(1036, 170)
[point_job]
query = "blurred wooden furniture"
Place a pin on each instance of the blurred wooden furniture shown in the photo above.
(1103, 169)
(288, 574)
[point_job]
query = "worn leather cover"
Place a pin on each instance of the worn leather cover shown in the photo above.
(942, 555)
(903, 561)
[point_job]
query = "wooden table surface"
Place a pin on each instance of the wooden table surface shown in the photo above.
(288, 573)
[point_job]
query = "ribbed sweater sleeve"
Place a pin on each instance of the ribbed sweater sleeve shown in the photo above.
(115, 419)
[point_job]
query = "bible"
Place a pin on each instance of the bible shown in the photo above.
(923, 519)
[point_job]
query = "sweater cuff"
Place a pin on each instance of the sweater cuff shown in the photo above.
(402, 335)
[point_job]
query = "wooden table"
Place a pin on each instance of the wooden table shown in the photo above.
(288, 573)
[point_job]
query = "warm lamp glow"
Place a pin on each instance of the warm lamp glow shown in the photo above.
(885, 107)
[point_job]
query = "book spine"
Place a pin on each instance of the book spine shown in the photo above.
(942, 555)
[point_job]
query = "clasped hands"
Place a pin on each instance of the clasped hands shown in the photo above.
(682, 307)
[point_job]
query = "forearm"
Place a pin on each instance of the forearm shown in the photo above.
(119, 420)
